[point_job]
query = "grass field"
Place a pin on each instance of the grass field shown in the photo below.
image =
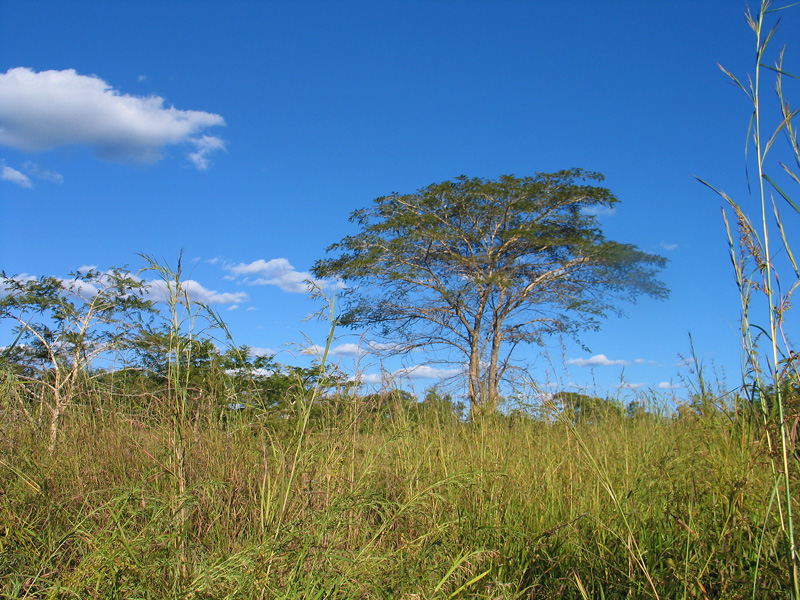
(342, 502)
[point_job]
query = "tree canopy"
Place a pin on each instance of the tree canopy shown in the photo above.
(481, 266)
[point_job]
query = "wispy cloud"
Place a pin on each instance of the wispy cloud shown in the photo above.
(45, 110)
(278, 272)
(668, 385)
(14, 176)
(606, 211)
(598, 360)
(426, 372)
(409, 373)
(204, 145)
(159, 291)
(256, 351)
(347, 350)
(668, 246)
(40, 172)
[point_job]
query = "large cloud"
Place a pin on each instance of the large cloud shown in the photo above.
(45, 110)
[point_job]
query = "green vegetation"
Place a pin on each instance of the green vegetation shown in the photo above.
(144, 455)
(156, 485)
(381, 497)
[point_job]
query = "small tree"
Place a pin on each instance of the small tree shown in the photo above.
(481, 266)
(64, 325)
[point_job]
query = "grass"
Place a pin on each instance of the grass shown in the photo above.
(372, 507)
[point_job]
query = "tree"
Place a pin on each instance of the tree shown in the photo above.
(64, 325)
(480, 266)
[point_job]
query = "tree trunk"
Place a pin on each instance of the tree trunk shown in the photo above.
(474, 388)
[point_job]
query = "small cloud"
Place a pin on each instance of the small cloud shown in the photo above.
(596, 211)
(278, 272)
(256, 351)
(668, 385)
(159, 291)
(204, 145)
(426, 372)
(41, 173)
(141, 78)
(668, 246)
(369, 378)
(599, 360)
(348, 349)
(14, 176)
(630, 386)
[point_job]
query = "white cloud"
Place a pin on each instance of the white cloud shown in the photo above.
(426, 372)
(411, 373)
(370, 378)
(348, 349)
(278, 272)
(667, 385)
(599, 210)
(45, 110)
(156, 290)
(41, 173)
(256, 351)
(630, 386)
(668, 246)
(204, 146)
(159, 292)
(598, 360)
(14, 176)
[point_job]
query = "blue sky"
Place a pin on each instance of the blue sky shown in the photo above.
(246, 132)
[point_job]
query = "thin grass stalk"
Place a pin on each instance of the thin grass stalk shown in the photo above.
(305, 416)
(759, 249)
(182, 321)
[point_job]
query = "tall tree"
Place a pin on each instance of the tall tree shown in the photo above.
(481, 266)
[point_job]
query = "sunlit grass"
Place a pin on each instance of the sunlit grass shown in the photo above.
(381, 507)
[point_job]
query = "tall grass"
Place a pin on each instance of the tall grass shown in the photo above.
(763, 263)
(360, 504)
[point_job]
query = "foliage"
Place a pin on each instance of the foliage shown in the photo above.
(582, 408)
(478, 267)
(64, 326)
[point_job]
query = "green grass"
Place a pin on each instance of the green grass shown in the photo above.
(388, 508)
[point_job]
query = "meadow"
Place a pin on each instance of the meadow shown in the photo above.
(344, 496)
